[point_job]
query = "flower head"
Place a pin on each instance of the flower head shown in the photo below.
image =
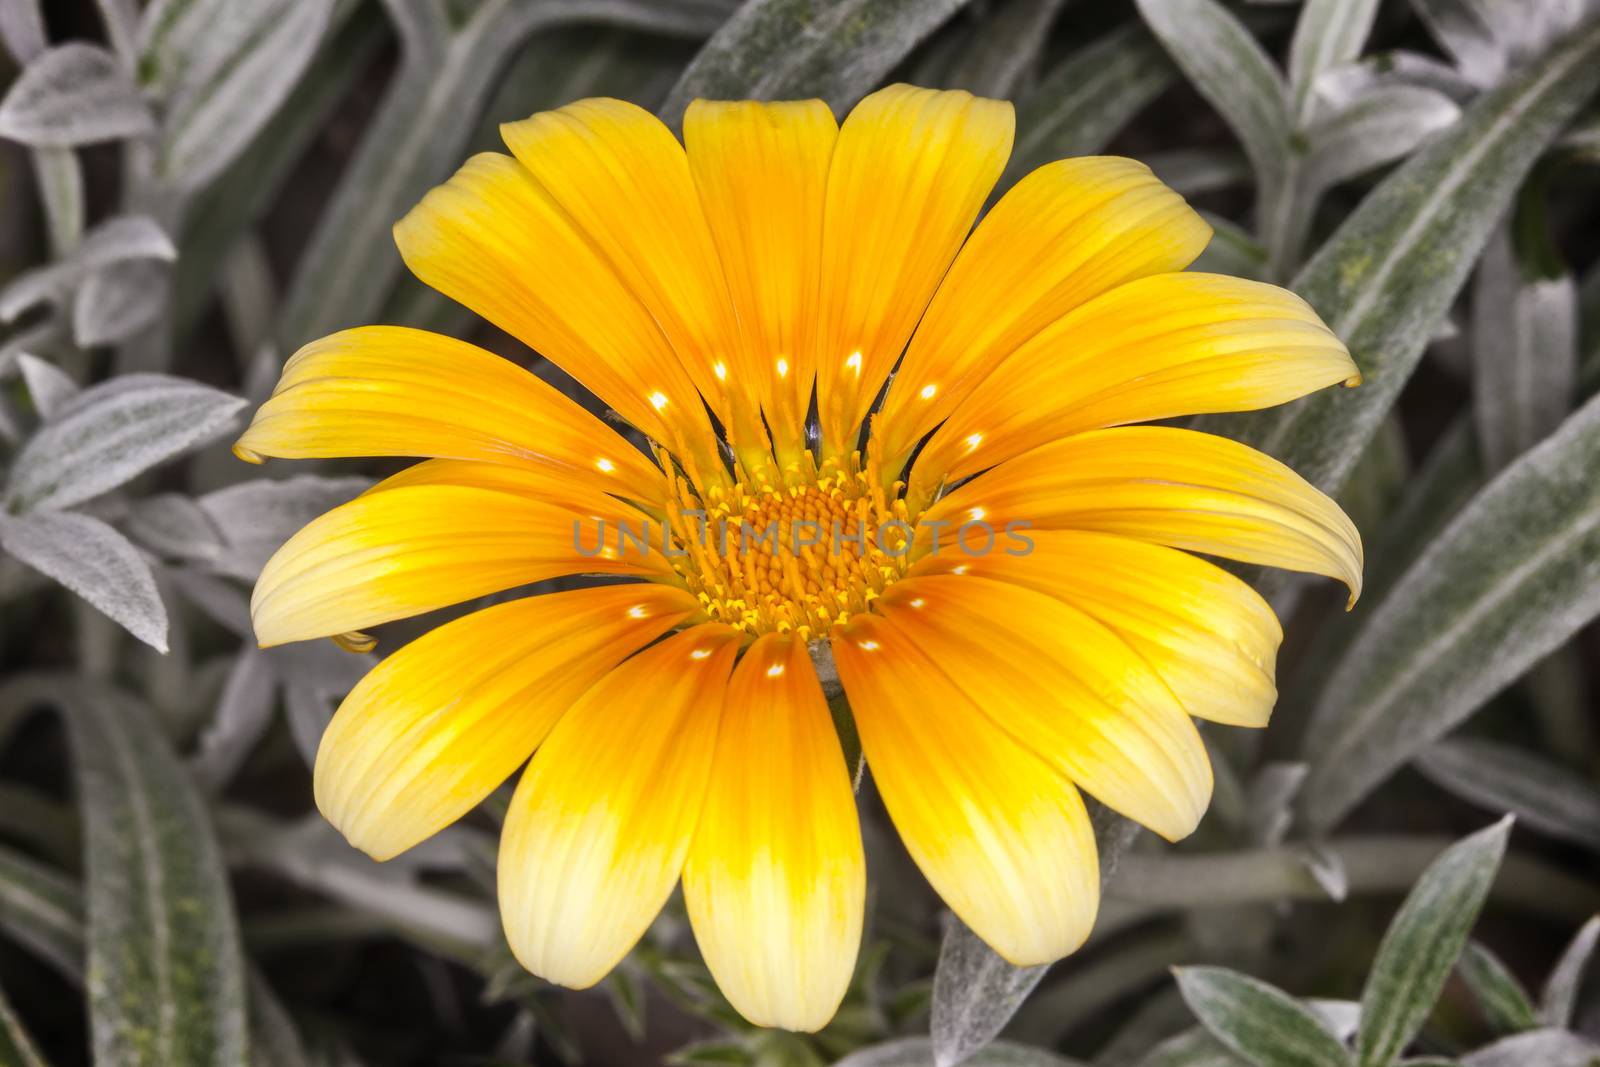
(861, 425)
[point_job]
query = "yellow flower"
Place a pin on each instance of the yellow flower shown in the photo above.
(710, 293)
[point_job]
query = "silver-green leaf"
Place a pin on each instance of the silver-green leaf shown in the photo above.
(73, 94)
(783, 49)
(1260, 1023)
(1559, 997)
(166, 973)
(94, 561)
(112, 432)
(1423, 942)
(1541, 793)
(1511, 578)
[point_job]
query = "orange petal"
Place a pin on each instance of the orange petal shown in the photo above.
(391, 391)
(1002, 837)
(910, 171)
(1064, 234)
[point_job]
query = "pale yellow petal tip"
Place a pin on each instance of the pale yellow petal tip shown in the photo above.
(1353, 380)
(355, 641)
(249, 455)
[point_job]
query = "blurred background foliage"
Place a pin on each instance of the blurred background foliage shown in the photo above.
(193, 188)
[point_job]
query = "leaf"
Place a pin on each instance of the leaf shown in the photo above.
(1260, 1023)
(1329, 33)
(1422, 943)
(22, 29)
(112, 432)
(1547, 1048)
(42, 910)
(117, 239)
(1377, 128)
(918, 1052)
(1387, 277)
(73, 94)
(94, 561)
(1501, 997)
(226, 71)
(1003, 48)
(975, 991)
(243, 714)
(1087, 98)
(1560, 995)
(1192, 1048)
(1510, 579)
(255, 518)
(274, 1042)
(1542, 794)
(1524, 349)
(167, 976)
(1469, 32)
(1230, 70)
(174, 527)
(48, 385)
(16, 1047)
(118, 301)
(1339, 87)
(837, 50)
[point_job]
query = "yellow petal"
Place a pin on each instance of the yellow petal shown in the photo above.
(775, 882)
(1210, 637)
(910, 171)
(494, 239)
(1000, 835)
(387, 555)
(762, 173)
(437, 726)
(624, 180)
(391, 391)
(1159, 347)
(1067, 688)
(1188, 490)
(575, 493)
(601, 822)
(1064, 234)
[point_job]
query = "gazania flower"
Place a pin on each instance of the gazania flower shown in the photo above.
(807, 334)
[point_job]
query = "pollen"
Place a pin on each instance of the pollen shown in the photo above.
(797, 555)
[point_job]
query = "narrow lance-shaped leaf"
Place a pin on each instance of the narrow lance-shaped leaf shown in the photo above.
(1379, 127)
(1542, 794)
(1422, 943)
(1260, 1023)
(96, 562)
(1547, 1048)
(167, 972)
(108, 434)
(1087, 98)
(227, 77)
(1328, 34)
(16, 1046)
(1524, 344)
(73, 94)
(1004, 50)
(1500, 996)
(787, 49)
(1512, 577)
(1231, 71)
(1560, 995)
(1389, 274)
(918, 1052)
(42, 910)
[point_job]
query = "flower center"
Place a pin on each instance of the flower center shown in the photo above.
(802, 555)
